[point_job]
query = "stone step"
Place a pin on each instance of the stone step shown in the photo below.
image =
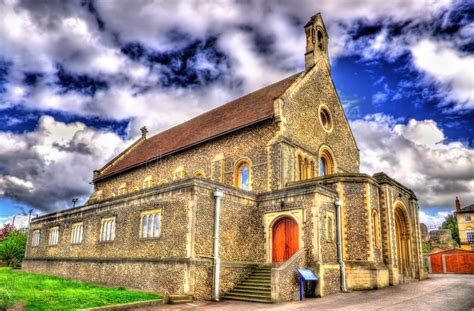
(251, 291)
(258, 277)
(247, 295)
(258, 282)
(230, 297)
(250, 287)
(261, 274)
(174, 299)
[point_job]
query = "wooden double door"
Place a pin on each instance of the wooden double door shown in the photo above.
(285, 239)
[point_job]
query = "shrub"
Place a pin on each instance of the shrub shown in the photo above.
(6, 299)
(5, 231)
(12, 248)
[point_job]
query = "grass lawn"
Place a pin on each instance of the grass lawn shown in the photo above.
(42, 292)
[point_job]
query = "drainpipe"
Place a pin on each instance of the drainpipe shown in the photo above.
(218, 195)
(338, 204)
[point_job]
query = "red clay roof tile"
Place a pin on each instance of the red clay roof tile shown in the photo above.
(241, 112)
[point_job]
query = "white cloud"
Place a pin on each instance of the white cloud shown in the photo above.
(20, 221)
(49, 166)
(432, 221)
(452, 70)
(416, 155)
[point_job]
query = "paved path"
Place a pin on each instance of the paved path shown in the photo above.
(440, 292)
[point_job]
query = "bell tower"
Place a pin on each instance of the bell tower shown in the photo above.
(316, 42)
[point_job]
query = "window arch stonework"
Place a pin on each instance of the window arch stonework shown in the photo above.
(305, 166)
(327, 164)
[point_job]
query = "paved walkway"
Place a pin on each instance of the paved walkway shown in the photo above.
(440, 292)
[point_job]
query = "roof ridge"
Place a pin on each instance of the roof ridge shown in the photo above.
(251, 108)
(227, 103)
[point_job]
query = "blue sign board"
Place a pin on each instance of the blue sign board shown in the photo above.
(306, 275)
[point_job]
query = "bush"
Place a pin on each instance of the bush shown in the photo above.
(6, 300)
(5, 231)
(12, 248)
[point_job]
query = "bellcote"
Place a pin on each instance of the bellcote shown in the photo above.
(316, 41)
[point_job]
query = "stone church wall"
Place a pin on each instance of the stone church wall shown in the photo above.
(215, 158)
(301, 121)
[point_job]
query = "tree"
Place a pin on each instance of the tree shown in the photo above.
(5, 231)
(450, 222)
(12, 248)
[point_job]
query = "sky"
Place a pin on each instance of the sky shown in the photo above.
(78, 79)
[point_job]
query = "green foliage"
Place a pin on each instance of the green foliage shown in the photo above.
(12, 248)
(450, 222)
(6, 300)
(43, 292)
(425, 247)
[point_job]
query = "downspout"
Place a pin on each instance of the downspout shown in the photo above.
(338, 204)
(218, 195)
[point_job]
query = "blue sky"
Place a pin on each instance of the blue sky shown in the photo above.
(78, 80)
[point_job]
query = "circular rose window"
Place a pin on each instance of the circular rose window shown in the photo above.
(325, 118)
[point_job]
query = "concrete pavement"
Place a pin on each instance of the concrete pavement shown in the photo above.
(439, 292)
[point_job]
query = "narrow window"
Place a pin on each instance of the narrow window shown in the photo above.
(36, 238)
(54, 236)
(108, 229)
(76, 233)
(322, 167)
(243, 176)
(326, 164)
(467, 218)
(150, 223)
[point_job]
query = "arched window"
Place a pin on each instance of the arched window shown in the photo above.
(320, 40)
(326, 164)
(242, 175)
(305, 169)
(148, 182)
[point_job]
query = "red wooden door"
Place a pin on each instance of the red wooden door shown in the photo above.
(285, 239)
(436, 264)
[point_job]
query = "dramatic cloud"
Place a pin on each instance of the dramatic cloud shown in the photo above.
(157, 63)
(416, 155)
(449, 68)
(48, 167)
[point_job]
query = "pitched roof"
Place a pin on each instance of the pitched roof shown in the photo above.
(467, 209)
(239, 113)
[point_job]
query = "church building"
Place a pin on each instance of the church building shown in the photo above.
(229, 204)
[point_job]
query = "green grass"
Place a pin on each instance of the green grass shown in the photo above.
(44, 292)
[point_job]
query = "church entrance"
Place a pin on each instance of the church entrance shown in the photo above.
(403, 243)
(285, 239)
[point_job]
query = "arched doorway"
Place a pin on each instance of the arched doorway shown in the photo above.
(402, 233)
(285, 239)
